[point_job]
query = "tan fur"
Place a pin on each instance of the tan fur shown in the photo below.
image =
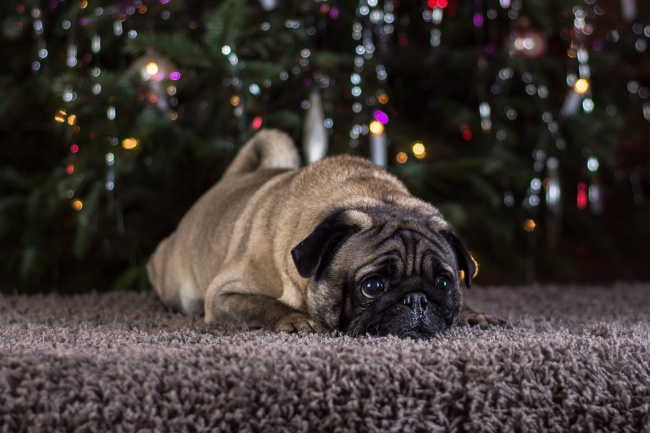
(237, 239)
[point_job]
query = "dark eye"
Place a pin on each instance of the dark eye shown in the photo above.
(372, 287)
(443, 282)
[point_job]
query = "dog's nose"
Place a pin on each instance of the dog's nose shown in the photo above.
(417, 301)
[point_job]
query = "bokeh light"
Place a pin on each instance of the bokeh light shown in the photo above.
(419, 150)
(581, 86)
(130, 143)
(401, 157)
(376, 127)
(529, 225)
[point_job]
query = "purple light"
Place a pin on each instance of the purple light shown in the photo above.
(54, 4)
(175, 76)
(83, 21)
(478, 20)
(598, 45)
(164, 2)
(380, 117)
(489, 48)
(334, 13)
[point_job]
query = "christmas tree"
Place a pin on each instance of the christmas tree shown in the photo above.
(523, 121)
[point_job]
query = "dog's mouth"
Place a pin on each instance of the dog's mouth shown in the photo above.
(402, 326)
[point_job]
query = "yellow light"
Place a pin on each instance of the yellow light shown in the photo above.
(72, 119)
(83, 4)
(419, 150)
(173, 116)
(402, 157)
(77, 204)
(130, 143)
(234, 101)
(59, 116)
(581, 86)
(529, 225)
(383, 98)
(152, 68)
(376, 127)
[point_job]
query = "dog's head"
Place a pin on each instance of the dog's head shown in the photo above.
(383, 271)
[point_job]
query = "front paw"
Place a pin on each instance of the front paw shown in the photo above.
(296, 323)
(470, 317)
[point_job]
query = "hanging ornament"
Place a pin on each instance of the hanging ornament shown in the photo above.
(553, 191)
(596, 198)
(433, 12)
(269, 5)
(553, 203)
(595, 192)
(574, 99)
(156, 75)
(628, 9)
(378, 144)
(526, 41)
(314, 141)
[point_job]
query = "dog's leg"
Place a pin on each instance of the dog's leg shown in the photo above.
(224, 306)
(469, 317)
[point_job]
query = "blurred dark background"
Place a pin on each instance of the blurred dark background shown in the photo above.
(526, 122)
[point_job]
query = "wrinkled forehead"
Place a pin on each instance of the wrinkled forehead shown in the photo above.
(399, 248)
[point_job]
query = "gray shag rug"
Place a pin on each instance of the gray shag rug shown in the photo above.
(574, 359)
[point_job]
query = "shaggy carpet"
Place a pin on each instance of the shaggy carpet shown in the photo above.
(574, 359)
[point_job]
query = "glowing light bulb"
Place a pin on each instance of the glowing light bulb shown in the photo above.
(257, 122)
(582, 198)
(419, 150)
(152, 68)
(592, 164)
(376, 127)
(401, 157)
(60, 115)
(130, 143)
(77, 204)
(581, 86)
(529, 225)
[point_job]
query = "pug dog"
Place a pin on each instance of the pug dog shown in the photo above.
(337, 246)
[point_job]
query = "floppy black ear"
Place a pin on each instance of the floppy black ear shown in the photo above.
(465, 261)
(312, 253)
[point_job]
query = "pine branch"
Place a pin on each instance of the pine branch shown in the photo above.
(175, 46)
(224, 25)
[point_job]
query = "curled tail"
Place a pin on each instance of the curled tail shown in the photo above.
(269, 148)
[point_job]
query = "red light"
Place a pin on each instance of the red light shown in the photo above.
(466, 132)
(257, 122)
(74, 148)
(582, 196)
(433, 4)
(69, 169)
